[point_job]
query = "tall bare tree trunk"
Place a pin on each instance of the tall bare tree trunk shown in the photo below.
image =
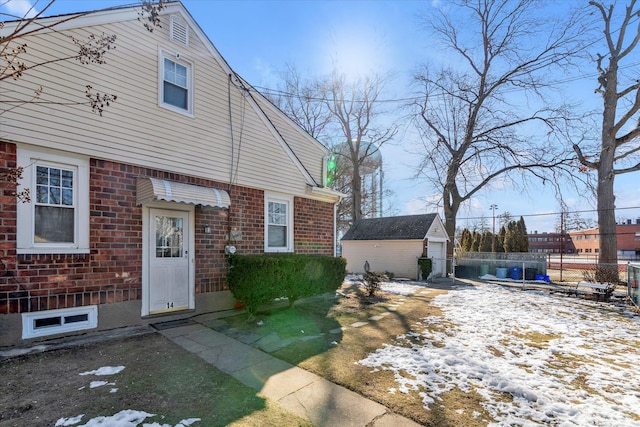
(608, 244)
(356, 193)
(616, 147)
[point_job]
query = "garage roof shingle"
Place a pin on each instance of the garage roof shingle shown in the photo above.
(408, 227)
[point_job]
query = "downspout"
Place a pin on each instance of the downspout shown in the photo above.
(335, 229)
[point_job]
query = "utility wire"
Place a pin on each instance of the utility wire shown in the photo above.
(549, 213)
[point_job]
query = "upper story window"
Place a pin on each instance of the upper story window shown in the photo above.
(278, 224)
(57, 218)
(176, 85)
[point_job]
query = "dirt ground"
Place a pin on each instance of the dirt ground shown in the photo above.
(158, 378)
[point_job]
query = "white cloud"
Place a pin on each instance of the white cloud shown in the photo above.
(20, 8)
(426, 204)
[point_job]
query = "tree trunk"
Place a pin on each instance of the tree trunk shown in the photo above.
(451, 206)
(608, 244)
(356, 193)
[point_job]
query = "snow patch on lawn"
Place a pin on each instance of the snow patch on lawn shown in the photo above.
(125, 418)
(562, 361)
(105, 370)
(394, 286)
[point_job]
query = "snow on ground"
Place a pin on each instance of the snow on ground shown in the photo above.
(105, 370)
(564, 361)
(125, 418)
(396, 286)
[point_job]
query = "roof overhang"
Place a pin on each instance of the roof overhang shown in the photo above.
(150, 189)
(325, 194)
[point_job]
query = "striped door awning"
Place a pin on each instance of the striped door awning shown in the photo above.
(150, 189)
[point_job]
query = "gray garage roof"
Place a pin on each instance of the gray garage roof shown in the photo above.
(408, 227)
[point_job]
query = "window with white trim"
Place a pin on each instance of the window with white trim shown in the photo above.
(56, 220)
(278, 224)
(176, 87)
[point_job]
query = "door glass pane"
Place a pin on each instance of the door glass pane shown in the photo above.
(169, 232)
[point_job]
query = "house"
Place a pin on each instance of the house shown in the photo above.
(394, 244)
(133, 212)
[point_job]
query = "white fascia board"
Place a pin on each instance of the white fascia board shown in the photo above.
(325, 194)
(78, 20)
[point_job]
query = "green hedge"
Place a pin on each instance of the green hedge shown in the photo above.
(425, 267)
(259, 279)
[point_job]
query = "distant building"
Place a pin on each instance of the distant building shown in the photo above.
(551, 243)
(587, 241)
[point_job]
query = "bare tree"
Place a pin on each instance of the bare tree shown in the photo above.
(619, 146)
(485, 119)
(354, 108)
(344, 115)
(572, 221)
(303, 100)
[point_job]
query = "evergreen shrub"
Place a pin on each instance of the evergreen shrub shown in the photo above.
(425, 267)
(259, 279)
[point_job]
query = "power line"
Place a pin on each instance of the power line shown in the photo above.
(277, 92)
(550, 213)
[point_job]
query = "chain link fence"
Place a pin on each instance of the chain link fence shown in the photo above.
(515, 266)
(633, 281)
(565, 270)
(574, 269)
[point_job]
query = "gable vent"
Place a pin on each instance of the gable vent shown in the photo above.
(179, 31)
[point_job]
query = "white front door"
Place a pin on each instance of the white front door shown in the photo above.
(168, 260)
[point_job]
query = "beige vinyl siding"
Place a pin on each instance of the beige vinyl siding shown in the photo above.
(395, 256)
(136, 130)
(306, 148)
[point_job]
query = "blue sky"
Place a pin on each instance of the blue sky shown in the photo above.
(259, 38)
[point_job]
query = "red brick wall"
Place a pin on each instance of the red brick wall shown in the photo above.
(313, 227)
(112, 271)
(8, 288)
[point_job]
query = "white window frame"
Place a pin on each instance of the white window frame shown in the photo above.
(288, 201)
(31, 330)
(178, 59)
(29, 158)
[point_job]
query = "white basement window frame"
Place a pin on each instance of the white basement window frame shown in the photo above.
(64, 320)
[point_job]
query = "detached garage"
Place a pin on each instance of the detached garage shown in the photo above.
(394, 245)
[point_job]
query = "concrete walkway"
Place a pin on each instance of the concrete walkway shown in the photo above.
(301, 392)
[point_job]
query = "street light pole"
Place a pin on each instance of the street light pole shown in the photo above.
(493, 208)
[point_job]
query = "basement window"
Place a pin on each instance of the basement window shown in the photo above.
(51, 322)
